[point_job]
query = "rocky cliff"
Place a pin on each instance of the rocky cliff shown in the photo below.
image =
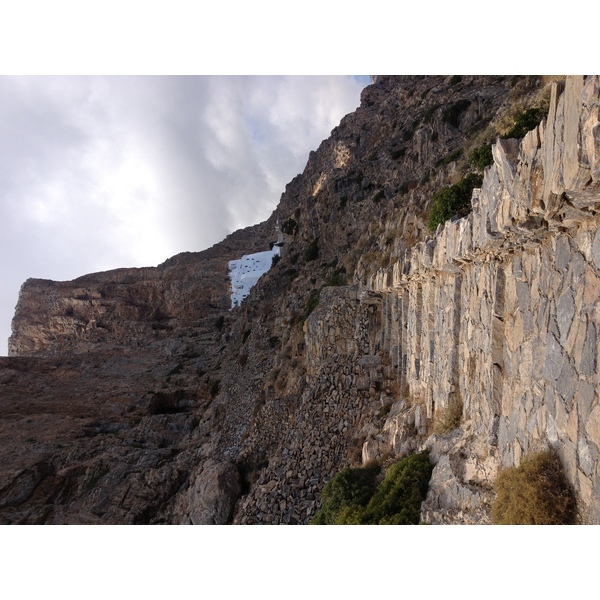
(499, 310)
(136, 396)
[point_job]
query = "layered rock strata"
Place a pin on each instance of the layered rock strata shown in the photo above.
(500, 311)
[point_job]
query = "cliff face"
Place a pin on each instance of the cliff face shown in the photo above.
(499, 310)
(137, 396)
(128, 308)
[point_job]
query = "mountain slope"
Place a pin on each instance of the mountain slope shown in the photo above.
(136, 396)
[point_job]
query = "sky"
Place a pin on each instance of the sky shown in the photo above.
(101, 172)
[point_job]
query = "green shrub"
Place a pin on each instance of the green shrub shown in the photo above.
(351, 497)
(289, 226)
(349, 489)
(291, 274)
(526, 121)
(312, 252)
(535, 493)
(453, 200)
(311, 304)
(481, 157)
(450, 157)
(398, 498)
(338, 277)
(91, 483)
(452, 114)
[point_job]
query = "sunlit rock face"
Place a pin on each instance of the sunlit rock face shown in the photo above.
(245, 272)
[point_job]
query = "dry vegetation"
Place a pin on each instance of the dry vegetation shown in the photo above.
(450, 418)
(535, 493)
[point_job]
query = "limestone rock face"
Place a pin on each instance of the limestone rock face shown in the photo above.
(501, 310)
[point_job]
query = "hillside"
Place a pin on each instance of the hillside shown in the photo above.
(138, 396)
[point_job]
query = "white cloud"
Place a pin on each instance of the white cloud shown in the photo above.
(102, 172)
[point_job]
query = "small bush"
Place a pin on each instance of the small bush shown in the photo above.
(453, 200)
(291, 274)
(349, 488)
(311, 304)
(452, 114)
(384, 411)
(219, 322)
(398, 498)
(91, 483)
(351, 497)
(535, 493)
(312, 252)
(481, 157)
(450, 418)
(526, 121)
(289, 226)
(337, 278)
(453, 156)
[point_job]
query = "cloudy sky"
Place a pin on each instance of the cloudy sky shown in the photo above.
(104, 172)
